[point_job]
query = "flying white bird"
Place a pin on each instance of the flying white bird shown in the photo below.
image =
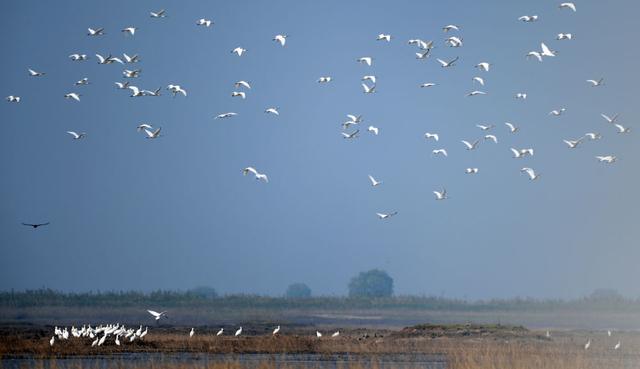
(373, 130)
(152, 93)
(204, 22)
(573, 143)
(135, 91)
(564, 36)
(95, 32)
(365, 60)
(33, 73)
(492, 138)
(367, 89)
(512, 127)
(622, 129)
(528, 18)
(384, 37)
(131, 73)
(108, 60)
(142, 126)
(484, 66)
(122, 86)
(13, 99)
(531, 173)
(593, 136)
(427, 84)
(72, 95)
(595, 83)
(244, 84)
(535, 54)
(276, 331)
(350, 135)
(480, 80)
(240, 94)
(238, 332)
(609, 119)
(606, 159)
(382, 216)
(272, 111)
(485, 127)
(369, 78)
(374, 182)
(454, 41)
(153, 135)
(546, 51)
(423, 55)
(450, 27)
(469, 145)
(432, 135)
(156, 315)
(176, 89)
(226, 115)
(82, 82)
(159, 14)
(521, 95)
(130, 59)
(77, 136)
(282, 39)
(471, 170)
(447, 64)
(258, 176)
(324, 79)
(238, 51)
(441, 195)
(521, 153)
(476, 93)
(78, 57)
(129, 30)
(439, 152)
(557, 112)
(571, 6)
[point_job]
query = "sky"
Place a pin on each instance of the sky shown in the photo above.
(130, 213)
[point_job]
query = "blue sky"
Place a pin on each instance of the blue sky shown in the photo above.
(176, 212)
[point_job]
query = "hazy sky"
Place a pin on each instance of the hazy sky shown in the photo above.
(176, 212)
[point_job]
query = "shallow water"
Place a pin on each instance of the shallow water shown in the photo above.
(191, 360)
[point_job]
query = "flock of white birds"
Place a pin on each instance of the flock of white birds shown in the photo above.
(350, 130)
(101, 333)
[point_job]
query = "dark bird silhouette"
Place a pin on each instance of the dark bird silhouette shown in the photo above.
(35, 225)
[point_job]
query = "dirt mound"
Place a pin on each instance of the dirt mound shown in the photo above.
(463, 330)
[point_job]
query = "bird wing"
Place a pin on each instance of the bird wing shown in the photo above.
(249, 169)
(134, 89)
(545, 49)
(373, 181)
(154, 313)
(467, 144)
(74, 134)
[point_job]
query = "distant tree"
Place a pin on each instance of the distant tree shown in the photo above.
(372, 283)
(606, 294)
(204, 292)
(298, 291)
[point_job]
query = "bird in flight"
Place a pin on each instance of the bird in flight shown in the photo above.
(596, 83)
(609, 159)
(374, 182)
(571, 6)
(441, 195)
(528, 18)
(384, 37)
(447, 64)
(531, 173)
(157, 316)
(158, 14)
(77, 136)
(226, 115)
(382, 216)
(373, 130)
(95, 32)
(13, 99)
(258, 176)
(350, 136)
(282, 39)
(35, 225)
(34, 73)
(204, 22)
